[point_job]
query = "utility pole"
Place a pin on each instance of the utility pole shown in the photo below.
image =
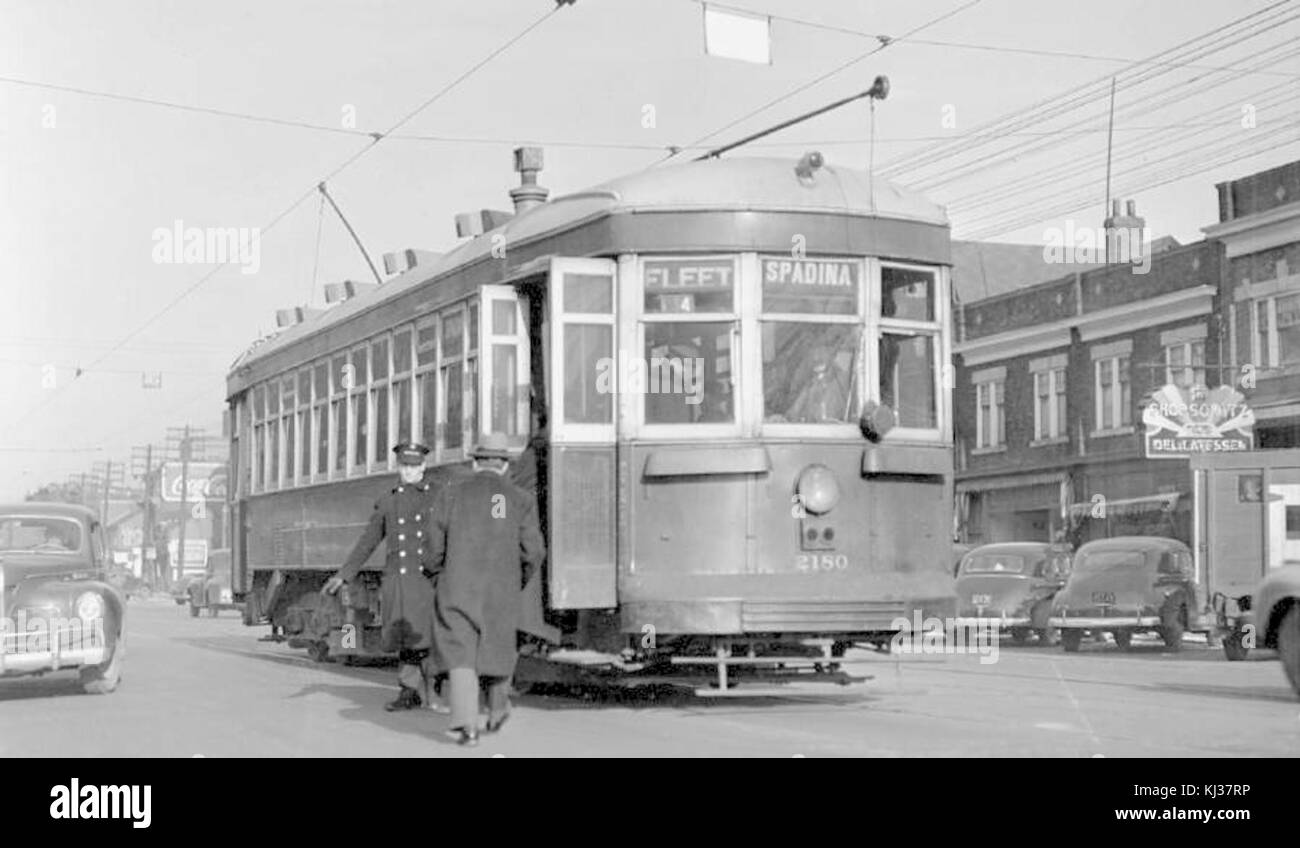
(108, 482)
(185, 474)
(1110, 141)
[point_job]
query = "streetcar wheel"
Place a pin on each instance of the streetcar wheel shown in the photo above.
(1071, 640)
(1048, 636)
(1233, 647)
(1124, 639)
(318, 651)
(1288, 645)
(1020, 635)
(1171, 630)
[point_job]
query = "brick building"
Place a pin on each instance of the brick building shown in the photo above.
(1049, 383)
(1259, 227)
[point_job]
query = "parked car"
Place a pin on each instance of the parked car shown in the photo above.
(58, 610)
(212, 590)
(1128, 585)
(959, 552)
(1010, 585)
(1276, 614)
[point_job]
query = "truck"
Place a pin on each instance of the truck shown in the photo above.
(1246, 535)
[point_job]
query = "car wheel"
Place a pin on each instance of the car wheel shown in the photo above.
(1123, 638)
(1233, 647)
(1071, 640)
(1020, 635)
(1288, 645)
(1171, 628)
(1048, 636)
(103, 679)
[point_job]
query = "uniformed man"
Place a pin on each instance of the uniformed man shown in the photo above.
(485, 542)
(406, 590)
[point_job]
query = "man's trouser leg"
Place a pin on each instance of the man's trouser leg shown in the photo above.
(463, 683)
(410, 673)
(498, 698)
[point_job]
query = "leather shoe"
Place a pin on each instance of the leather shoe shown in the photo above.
(463, 736)
(407, 699)
(494, 724)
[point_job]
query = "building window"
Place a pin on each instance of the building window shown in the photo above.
(1185, 364)
(1049, 404)
(990, 419)
(1276, 331)
(1113, 393)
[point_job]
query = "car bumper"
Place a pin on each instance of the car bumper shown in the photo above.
(1103, 623)
(985, 622)
(14, 659)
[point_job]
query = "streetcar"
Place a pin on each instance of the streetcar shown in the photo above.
(726, 380)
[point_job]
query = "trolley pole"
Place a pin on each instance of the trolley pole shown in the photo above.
(108, 482)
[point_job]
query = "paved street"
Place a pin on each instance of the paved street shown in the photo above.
(208, 687)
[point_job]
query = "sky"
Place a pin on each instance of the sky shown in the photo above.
(606, 86)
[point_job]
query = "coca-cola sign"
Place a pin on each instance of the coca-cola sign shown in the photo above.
(205, 481)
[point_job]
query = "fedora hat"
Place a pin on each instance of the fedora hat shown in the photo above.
(491, 446)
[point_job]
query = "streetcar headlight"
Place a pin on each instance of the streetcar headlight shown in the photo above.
(90, 606)
(818, 491)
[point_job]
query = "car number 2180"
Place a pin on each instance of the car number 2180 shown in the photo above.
(821, 562)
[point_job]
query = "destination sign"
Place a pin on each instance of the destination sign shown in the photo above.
(689, 274)
(825, 273)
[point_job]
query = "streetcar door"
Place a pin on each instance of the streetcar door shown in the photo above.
(581, 295)
(503, 334)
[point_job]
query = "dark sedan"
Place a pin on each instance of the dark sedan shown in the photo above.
(1010, 586)
(1128, 585)
(59, 610)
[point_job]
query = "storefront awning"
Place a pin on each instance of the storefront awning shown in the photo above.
(1014, 481)
(1167, 502)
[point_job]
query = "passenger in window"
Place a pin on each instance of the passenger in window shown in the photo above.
(716, 407)
(826, 397)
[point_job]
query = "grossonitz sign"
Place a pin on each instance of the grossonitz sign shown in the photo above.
(1185, 421)
(205, 481)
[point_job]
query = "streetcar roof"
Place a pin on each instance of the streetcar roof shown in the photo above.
(728, 185)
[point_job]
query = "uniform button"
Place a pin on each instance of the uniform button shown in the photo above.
(401, 521)
(401, 553)
(401, 571)
(417, 518)
(401, 537)
(401, 489)
(419, 534)
(420, 551)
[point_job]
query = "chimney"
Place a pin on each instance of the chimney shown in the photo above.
(1124, 234)
(528, 161)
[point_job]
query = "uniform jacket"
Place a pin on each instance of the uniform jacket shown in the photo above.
(484, 543)
(406, 594)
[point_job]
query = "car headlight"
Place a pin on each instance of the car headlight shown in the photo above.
(90, 606)
(818, 490)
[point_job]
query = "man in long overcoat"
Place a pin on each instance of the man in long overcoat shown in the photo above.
(406, 590)
(485, 541)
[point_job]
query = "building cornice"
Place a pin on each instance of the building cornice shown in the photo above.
(1164, 309)
(1261, 231)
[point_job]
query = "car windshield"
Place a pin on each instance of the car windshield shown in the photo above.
(1110, 561)
(999, 564)
(45, 534)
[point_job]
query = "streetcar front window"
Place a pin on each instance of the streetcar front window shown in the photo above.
(687, 373)
(907, 371)
(810, 372)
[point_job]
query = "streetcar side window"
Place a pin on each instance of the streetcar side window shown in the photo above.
(379, 394)
(909, 344)
(426, 382)
(588, 344)
(257, 448)
(453, 390)
(471, 374)
(402, 383)
(304, 426)
(341, 376)
(273, 434)
(287, 422)
(320, 406)
(360, 408)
